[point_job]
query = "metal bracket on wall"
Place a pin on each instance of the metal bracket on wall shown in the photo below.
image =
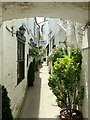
(11, 30)
(87, 25)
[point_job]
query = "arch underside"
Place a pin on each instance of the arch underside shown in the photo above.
(74, 11)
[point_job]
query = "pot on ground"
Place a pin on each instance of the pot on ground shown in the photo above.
(75, 114)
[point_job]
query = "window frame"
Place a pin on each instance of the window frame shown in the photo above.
(20, 60)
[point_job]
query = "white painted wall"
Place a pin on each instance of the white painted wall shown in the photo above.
(75, 38)
(46, 32)
(1, 54)
(56, 30)
(84, 79)
(15, 92)
(85, 73)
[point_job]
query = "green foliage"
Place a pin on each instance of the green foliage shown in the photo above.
(77, 56)
(65, 80)
(41, 37)
(34, 52)
(56, 53)
(6, 111)
(42, 51)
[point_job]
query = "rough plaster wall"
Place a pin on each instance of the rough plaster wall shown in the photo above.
(89, 83)
(79, 35)
(86, 82)
(1, 54)
(60, 37)
(46, 32)
(86, 73)
(15, 92)
(31, 26)
(1, 43)
(57, 31)
(84, 78)
(72, 11)
(89, 72)
(53, 26)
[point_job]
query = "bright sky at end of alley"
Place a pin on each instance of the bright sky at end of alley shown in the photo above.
(40, 19)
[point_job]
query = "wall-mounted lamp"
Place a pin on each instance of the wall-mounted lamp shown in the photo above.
(20, 31)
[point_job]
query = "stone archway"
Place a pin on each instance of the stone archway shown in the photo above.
(77, 11)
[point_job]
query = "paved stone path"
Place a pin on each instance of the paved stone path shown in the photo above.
(39, 101)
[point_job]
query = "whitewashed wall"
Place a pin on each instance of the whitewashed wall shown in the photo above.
(57, 32)
(1, 54)
(85, 73)
(46, 32)
(15, 92)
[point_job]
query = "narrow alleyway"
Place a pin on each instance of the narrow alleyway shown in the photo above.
(39, 101)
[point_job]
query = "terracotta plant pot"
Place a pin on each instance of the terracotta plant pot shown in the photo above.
(76, 115)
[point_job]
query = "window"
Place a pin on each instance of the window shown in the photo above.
(21, 39)
(20, 61)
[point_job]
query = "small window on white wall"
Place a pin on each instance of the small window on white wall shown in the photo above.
(21, 39)
(20, 61)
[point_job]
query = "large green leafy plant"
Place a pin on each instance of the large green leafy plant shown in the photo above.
(65, 80)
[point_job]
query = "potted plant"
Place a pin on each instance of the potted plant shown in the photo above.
(34, 51)
(65, 84)
(56, 53)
